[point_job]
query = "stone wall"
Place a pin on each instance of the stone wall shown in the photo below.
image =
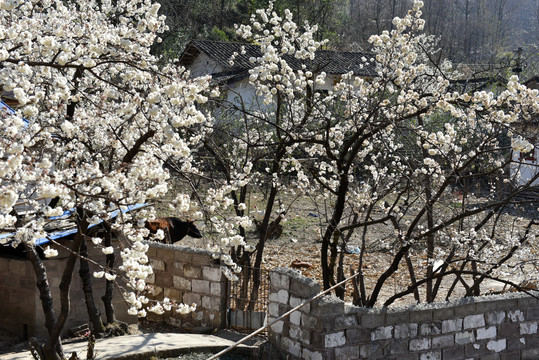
(190, 276)
(21, 311)
(492, 327)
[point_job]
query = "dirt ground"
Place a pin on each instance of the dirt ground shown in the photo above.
(300, 241)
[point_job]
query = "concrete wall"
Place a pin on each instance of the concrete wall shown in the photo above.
(190, 276)
(21, 311)
(493, 327)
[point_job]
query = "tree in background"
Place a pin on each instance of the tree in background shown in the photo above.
(389, 153)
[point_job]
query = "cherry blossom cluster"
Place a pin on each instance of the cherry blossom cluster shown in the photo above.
(98, 117)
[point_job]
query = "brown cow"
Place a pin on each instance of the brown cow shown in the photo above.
(174, 228)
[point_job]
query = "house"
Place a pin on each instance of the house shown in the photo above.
(203, 57)
(527, 164)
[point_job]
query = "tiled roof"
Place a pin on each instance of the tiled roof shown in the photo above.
(331, 62)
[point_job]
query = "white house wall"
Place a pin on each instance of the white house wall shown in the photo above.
(525, 170)
(204, 65)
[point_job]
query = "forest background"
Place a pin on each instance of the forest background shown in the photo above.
(469, 31)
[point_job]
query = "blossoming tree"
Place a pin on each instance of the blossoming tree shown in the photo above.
(101, 117)
(391, 155)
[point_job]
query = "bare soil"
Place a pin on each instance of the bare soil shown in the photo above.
(300, 241)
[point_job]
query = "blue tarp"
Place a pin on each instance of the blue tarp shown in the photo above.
(64, 233)
(5, 107)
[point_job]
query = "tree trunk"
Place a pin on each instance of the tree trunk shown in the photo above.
(50, 348)
(55, 350)
(84, 273)
(109, 287)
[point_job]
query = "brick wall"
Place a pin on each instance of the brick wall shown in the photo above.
(190, 276)
(21, 311)
(491, 327)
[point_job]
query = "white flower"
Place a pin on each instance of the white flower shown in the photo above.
(108, 250)
(50, 252)
(99, 274)
(110, 277)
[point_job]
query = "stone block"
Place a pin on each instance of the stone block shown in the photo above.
(164, 254)
(217, 288)
(282, 297)
(273, 310)
(475, 350)
(295, 301)
(295, 318)
(492, 356)
(327, 305)
(495, 317)
(358, 336)
(530, 354)
(405, 331)
(295, 332)
(433, 355)
(531, 341)
(164, 279)
(372, 320)
(382, 333)
(292, 347)
(151, 251)
(527, 302)
(211, 273)
(419, 344)
(303, 289)
(396, 347)
(347, 353)
(158, 265)
(335, 339)
(200, 286)
(205, 301)
(486, 333)
(514, 355)
(532, 313)
(183, 257)
(193, 272)
(317, 340)
(528, 328)
(397, 317)
(453, 353)
(465, 309)
(372, 349)
(173, 294)
(451, 326)
(497, 345)
(346, 322)
(507, 304)
(515, 316)
(201, 259)
(464, 337)
(191, 298)
(431, 328)
(177, 268)
(486, 306)
(420, 315)
(279, 281)
(506, 330)
(474, 321)
(312, 355)
(277, 327)
(515, 344)
(443, 313)
(181, 283)
(442, 341)
(150, 279)
(308, 322)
